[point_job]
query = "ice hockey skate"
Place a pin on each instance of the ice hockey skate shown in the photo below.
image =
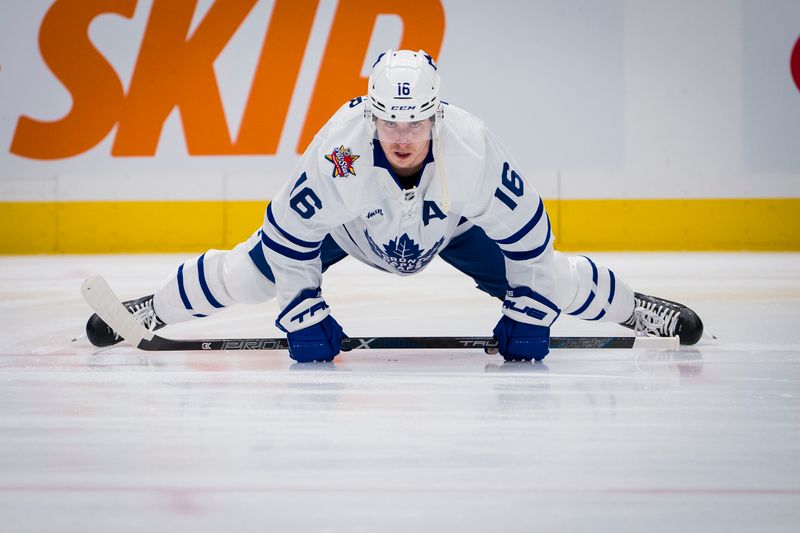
(657, 317)
(101, 334)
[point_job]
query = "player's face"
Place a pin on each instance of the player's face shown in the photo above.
(404, 143)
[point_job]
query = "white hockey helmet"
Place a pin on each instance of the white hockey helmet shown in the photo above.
(404, 86)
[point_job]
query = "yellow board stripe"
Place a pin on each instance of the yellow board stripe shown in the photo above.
(754, 224)
(758, 224)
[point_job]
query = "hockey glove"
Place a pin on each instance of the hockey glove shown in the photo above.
(523, 333)
(312, 333)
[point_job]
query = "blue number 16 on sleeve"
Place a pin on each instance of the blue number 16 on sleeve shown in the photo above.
(513, 183)
(305, 202)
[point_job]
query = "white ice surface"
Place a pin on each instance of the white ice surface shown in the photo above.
(706, 439)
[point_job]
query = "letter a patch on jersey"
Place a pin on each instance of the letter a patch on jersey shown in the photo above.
(342, 159)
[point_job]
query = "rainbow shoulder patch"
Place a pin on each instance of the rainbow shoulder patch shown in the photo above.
(342, 159)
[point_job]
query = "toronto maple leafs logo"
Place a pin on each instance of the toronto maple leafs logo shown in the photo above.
(403, 253)
(342, 159)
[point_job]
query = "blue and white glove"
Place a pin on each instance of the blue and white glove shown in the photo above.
(523, 332)
(312, 333)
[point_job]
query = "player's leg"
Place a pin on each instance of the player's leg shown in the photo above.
(583, 288)
(206, 285)
(476, 255)
(197, 288)
(215, 280)
(577, 281)
(601, 295)
(218, 279)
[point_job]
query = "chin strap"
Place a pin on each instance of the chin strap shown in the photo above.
(437, 129)
(370, 123)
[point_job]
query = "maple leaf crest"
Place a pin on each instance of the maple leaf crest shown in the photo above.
(403, 253)
(403, 248)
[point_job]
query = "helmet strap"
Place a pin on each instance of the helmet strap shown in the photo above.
(437, 130)
(370, 123)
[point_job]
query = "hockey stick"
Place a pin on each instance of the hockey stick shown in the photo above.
(105, 303)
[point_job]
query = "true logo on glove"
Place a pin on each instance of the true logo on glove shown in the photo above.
(319, 306)
(538, 314)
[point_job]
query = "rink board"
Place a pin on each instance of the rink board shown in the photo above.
(754, 224)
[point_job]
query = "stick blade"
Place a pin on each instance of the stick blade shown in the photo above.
(657, 343)
(101, 298)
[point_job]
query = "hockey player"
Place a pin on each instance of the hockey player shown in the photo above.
(394, 179)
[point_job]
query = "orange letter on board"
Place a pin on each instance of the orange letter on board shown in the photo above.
(175, 71)
(276, 76)
(97, 94)
(339, 77)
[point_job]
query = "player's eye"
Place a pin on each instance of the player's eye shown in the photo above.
(414, 124)
(390, 124)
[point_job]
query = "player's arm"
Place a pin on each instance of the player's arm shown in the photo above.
(511, 212)
(295, 223)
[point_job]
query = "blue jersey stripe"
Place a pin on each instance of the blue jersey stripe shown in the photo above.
(585, 305)
(589, 300)
(203, 285)
(288, 252)
(184, 297)
(599, 316)
(613, 286)
(594, 270)
(530, 254)
(611, 291)
(527, 227)
(302, 179)
(257, 255)
(288, 236)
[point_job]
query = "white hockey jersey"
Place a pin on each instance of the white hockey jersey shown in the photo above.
(339, 187)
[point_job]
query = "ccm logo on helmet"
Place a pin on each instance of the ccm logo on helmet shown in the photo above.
(403, 107)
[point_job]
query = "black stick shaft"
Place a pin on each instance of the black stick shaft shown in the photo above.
(386, 343)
